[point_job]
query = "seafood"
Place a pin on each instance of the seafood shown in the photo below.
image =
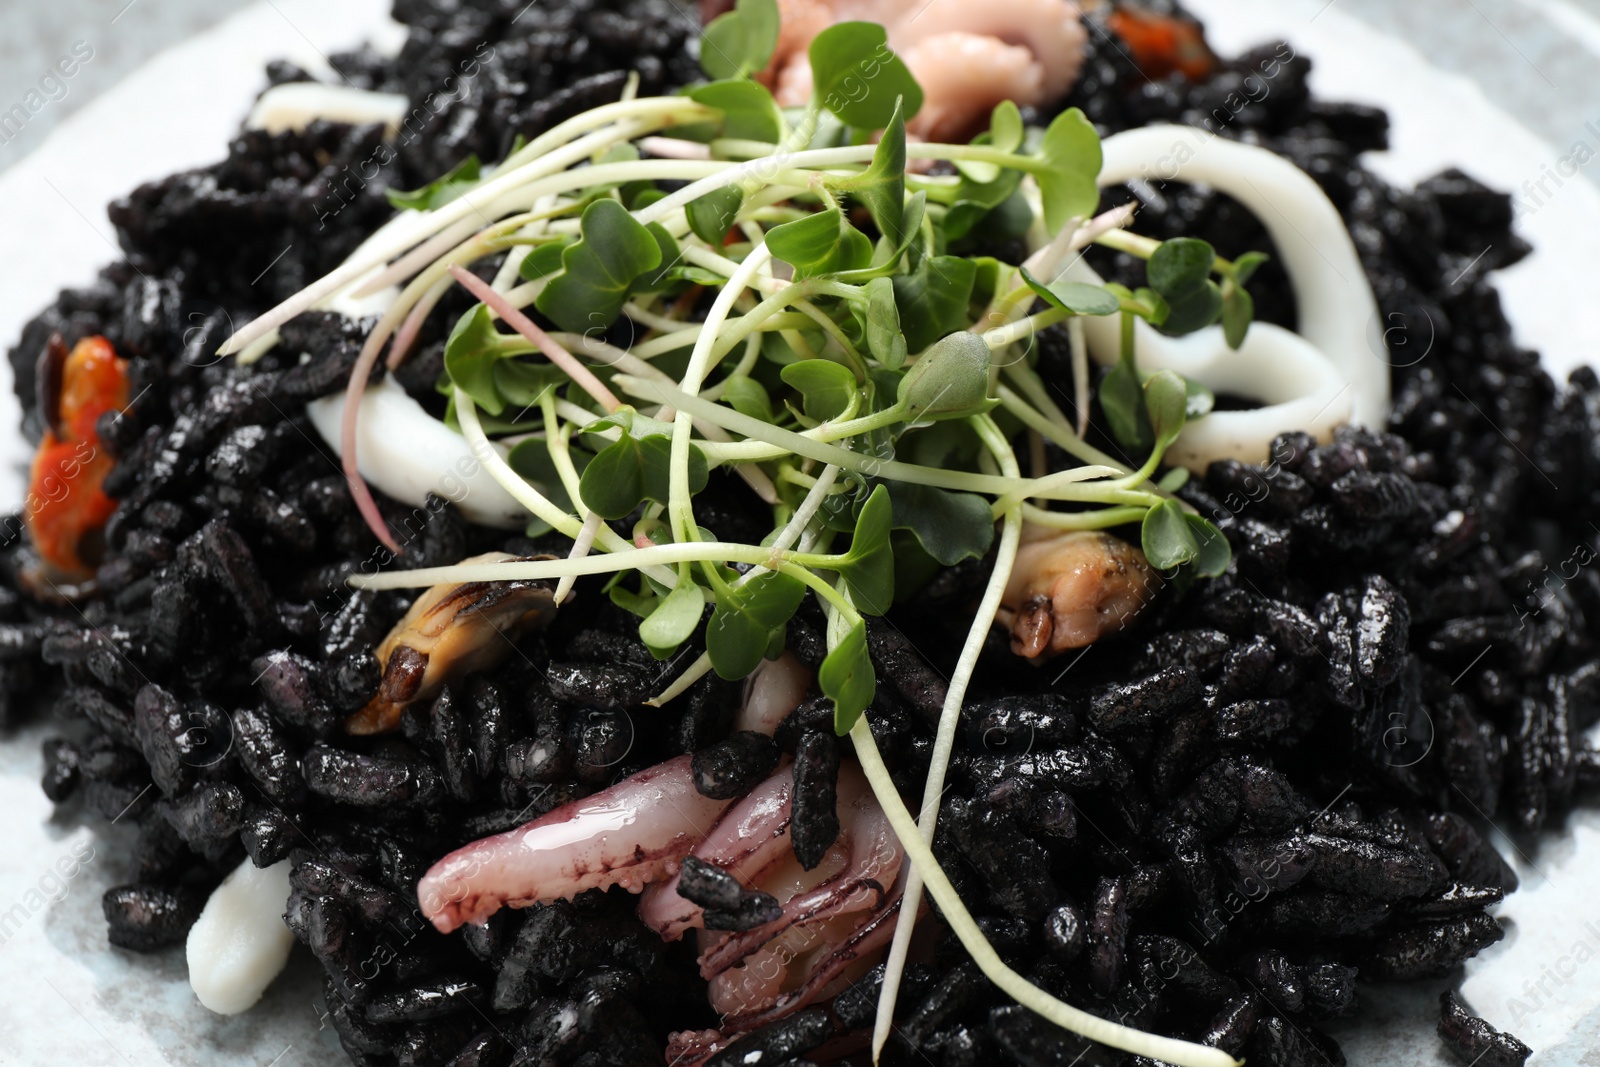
(631, 834)
(450, 631)
(1069, 590)
(67, 510)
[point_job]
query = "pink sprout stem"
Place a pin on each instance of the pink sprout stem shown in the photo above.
(514, 318)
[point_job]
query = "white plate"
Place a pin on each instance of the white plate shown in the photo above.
(73, 998)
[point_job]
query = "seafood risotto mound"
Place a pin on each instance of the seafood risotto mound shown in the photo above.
(1211, 824)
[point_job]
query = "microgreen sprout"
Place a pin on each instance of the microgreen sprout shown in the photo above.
(800, 311)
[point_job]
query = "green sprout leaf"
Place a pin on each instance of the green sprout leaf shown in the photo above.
(858, 77)
(1215, 552)
(1245, 267)
(598, 271)
(1122, 400)
(748, 111)
(630, 469)
(1071, 152)
(544, 261)
(1166, 402)
(847, 678)
(711, 216)
(741, 41)
(949, 381)
(827, 387)
(1238, 308)
(439, 192)
(933, 299)
(882, 186)
(1180, 271)
(868, 568)
(674, 619)
(748, 397)
(531, 459)
(1076, 297)
(1179, 266)
(1169, 540)
(1199, 309)
(470, 356)
(881, 324)
(820, 243)
(520, 382)
(745, 620)
(1173, 480)
(949, 526)
(1006, 131)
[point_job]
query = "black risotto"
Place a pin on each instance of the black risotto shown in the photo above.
(1213, 826)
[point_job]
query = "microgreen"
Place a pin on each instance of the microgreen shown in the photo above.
(470, 355)
(858, 77)
(882, 186)
(674, 619)
(868, 568)
(599, 270)
(950, 380)
(741, 41)
(439, 192)
(828, 388)
(880, 324)
(748, 111)
(630, 469)
(933, 299)
(1076, 297)
(745, 619)
(822, 243)
(1071, 154)
(847, 679)
(1168, 539)
(711, 216)
(949, 527)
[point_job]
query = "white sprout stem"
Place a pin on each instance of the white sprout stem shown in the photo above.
(1080, 373)
(1166, 1049)
(1001, 336)
(512, 482)
(1095, 519)
(580, 549)
(787, 441)
(945, 738)
(680, 685)
(541, 570)
(682, 510)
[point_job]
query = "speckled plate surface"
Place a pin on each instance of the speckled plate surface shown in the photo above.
(71, 998)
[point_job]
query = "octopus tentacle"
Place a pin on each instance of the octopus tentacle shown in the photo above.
(633, 833)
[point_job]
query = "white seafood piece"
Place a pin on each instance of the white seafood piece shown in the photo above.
(240, 943)
(295, 105)
(1051, 31)
(1331, 372)
(407, 453)
(963, 76)
(773, 690)
(631, 834)
(966, 56)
